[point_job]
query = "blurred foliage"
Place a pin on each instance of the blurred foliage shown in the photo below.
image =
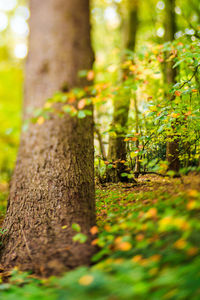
(10, 114)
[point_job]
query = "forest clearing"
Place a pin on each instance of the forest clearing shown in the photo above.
(100, 149)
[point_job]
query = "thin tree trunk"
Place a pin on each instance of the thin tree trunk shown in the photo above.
(170, 73)
(53, 183)
(137, 159)
(101, 144)
(117, 146)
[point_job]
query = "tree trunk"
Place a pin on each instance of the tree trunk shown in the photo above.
(117, 146)
(137, 144)
(53, 182)
(170, 73)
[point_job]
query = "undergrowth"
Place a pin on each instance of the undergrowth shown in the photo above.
(149, 248)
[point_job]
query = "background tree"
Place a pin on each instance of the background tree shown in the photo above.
(170, 73)
(53, 183)
(117, 146)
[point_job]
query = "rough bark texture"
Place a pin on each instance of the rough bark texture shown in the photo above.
(53, 183)
(170, 74)
(117, 146)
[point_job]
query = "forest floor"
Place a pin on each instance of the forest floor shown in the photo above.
(149, 239)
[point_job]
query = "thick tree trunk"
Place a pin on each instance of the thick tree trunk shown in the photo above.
(53, 183)
(117, 146)
(170, 73)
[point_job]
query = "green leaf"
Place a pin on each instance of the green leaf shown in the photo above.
(66, 108)
(76, 227)
(81, 114)
(124, 174)
(82, 73)
(80, 237)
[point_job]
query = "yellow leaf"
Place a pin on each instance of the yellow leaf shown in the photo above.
(192, 193)
(133, 154)
(180, 244)
(86, 280)
(155, 258)
(40, 120)
(191, 205)
(132, 68)
(165, 222)
(173, 115)
(113, 134)
(64, 227)
(119, 260)
(137, 258)
(153, 108)
(153, 271)
(181, 224)
(48, 105)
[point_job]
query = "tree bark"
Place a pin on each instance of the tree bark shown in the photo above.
(53, 182)
(170, 73)
(117, 146)
(137, 144)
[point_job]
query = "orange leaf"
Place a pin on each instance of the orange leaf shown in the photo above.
(90, 75)
(134, 139)
(192, 251)
(81, 104)
(124, 246)
(71, 100)
(94, 230)
(151, 213)
(94, 242)
(177, 93)
(139, 237)
(188, 113)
